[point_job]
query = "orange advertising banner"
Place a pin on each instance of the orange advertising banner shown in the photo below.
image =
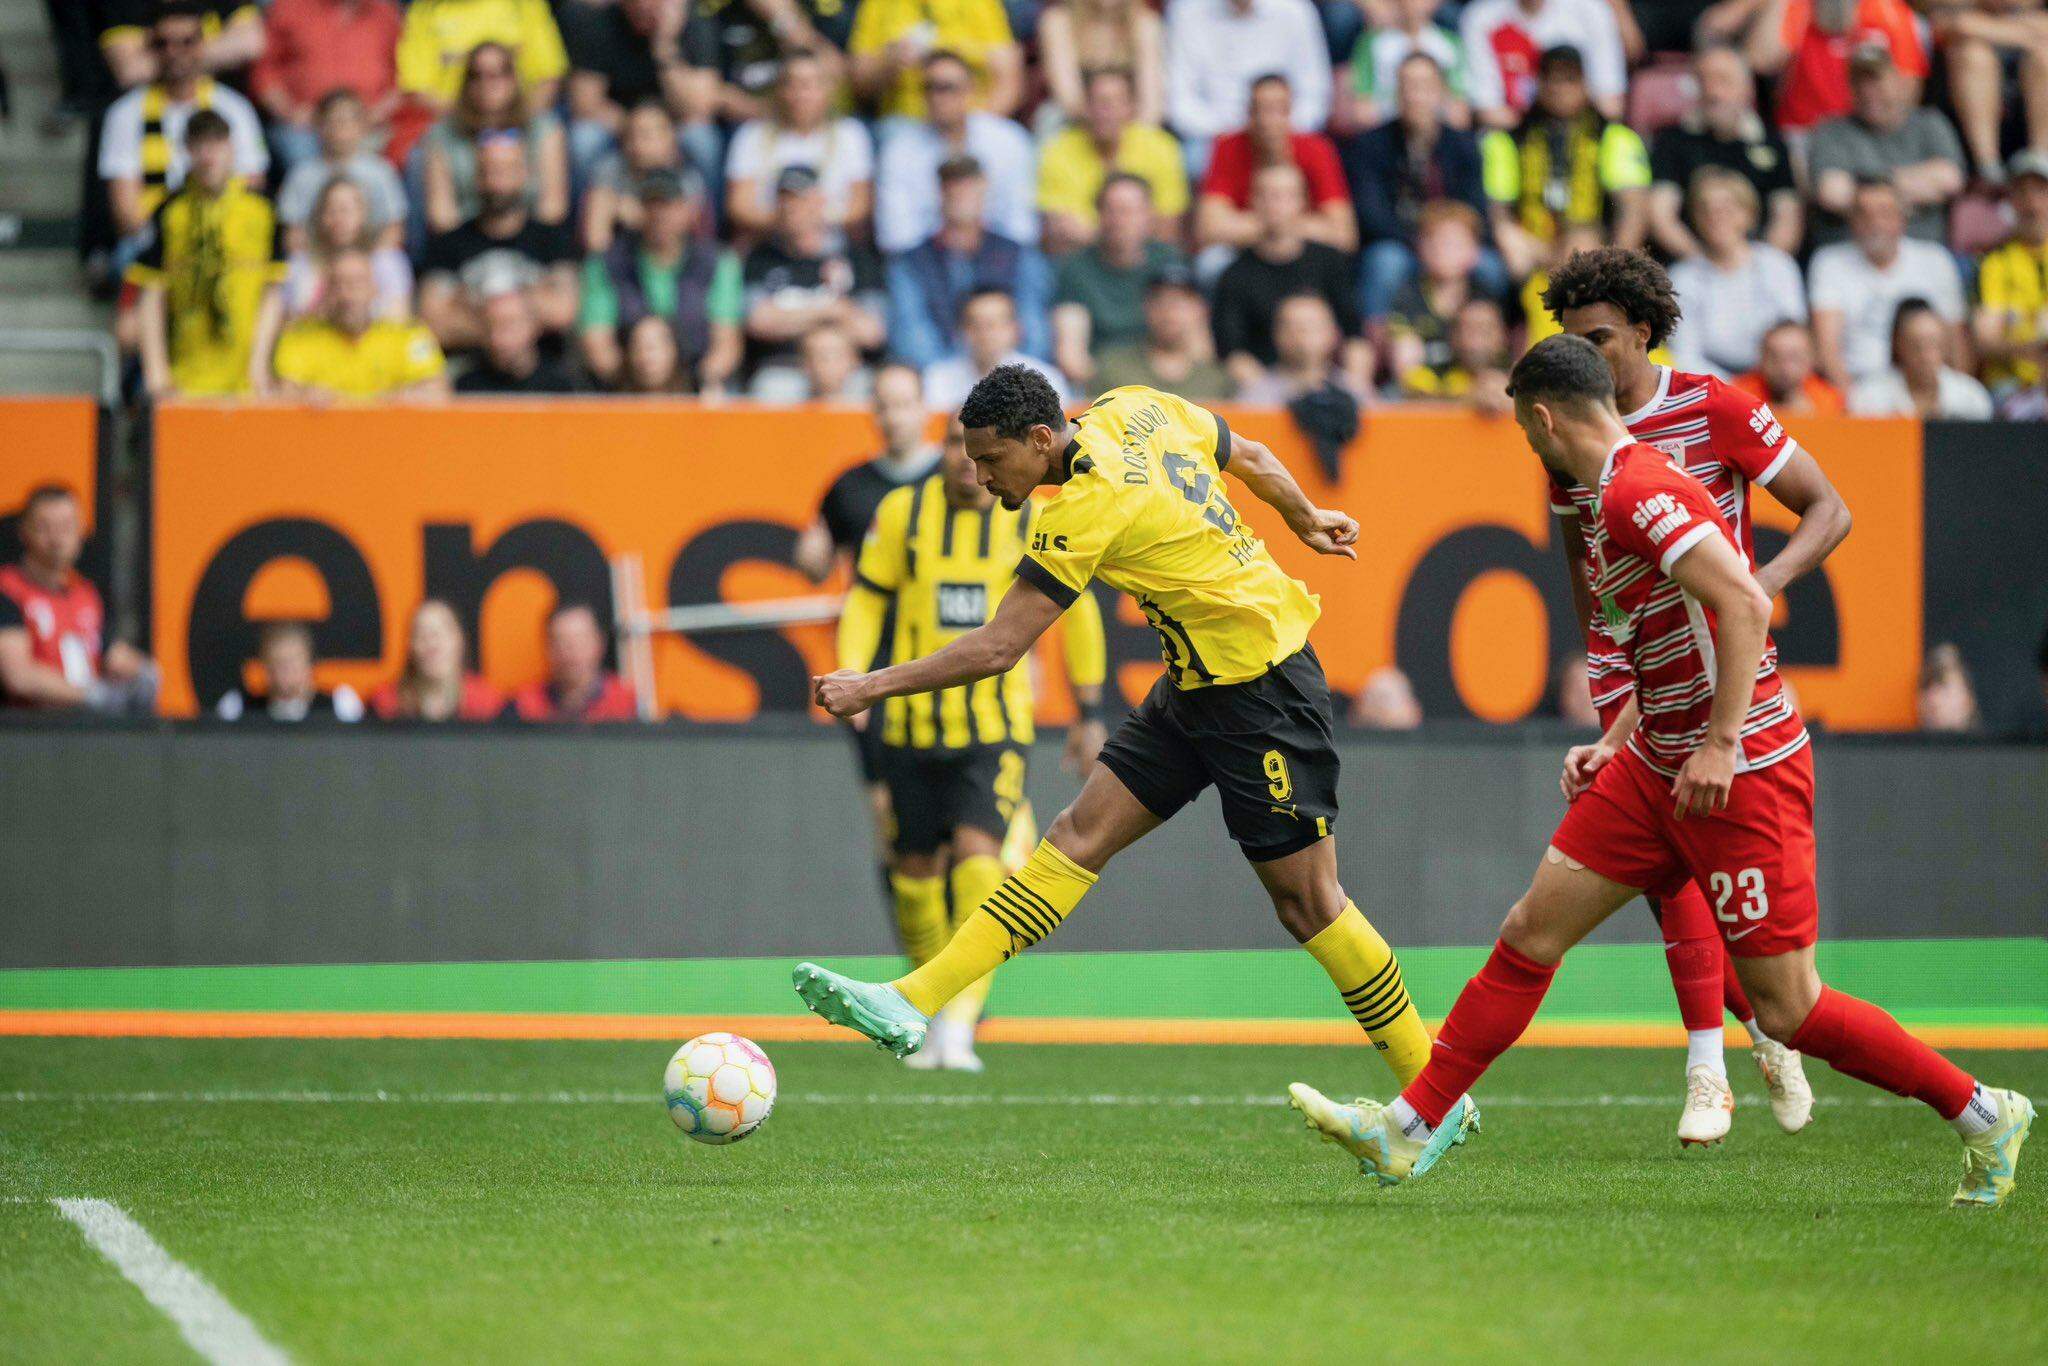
(348, 517)
(48, 441)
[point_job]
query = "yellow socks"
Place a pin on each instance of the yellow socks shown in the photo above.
(920, 915)
(1369, 978)
(1023, 909)
(974, 881)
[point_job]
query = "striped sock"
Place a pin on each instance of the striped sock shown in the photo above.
(1368, 976)
(920, 915)
(1028, 906)
(974, 880)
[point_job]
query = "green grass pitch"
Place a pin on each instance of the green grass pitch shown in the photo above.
(532, 1202)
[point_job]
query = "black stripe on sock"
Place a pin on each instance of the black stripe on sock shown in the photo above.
(1029, 907)
(1022, 912)
(1393, 966)
(1378, 998)
(1011, 926)
(1393, 1013)
(1034, 898)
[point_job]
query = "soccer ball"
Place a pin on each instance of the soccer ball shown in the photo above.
(719, 1088)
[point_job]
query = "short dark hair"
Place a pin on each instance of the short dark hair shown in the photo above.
(1909, 308)
(1116, 178)
(47, 493)
(1270, 77)
(1013, 399)
(336, 98)
(565, 606)
(1630, 280)
(177, 9)
(980, 292)
(945, 54)
(278, 632)
(207, 125)
(1563, 367)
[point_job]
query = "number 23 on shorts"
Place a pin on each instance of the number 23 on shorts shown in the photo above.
(1751, 904)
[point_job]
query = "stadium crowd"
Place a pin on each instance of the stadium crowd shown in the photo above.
(1312, 204)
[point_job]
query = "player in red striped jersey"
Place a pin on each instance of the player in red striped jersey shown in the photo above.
(1715, 785)
(1622, 302)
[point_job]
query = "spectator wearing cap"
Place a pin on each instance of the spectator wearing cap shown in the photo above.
(1855, 287)
(1806, 46)
(1217, 49)
(647, 144)
(578, 687)
(1887, 135)
(1504, 45)
(342, 152)
(907, 171)
(1079, 158)
(441, 36)
(1412, 160)
(490, 105)
(799, 129)
(797, 280)
(1732, 290)
(505, 246)
(894, 39)
(929, 284)
(1920, 383)
(1178, 352)
(1223, 212)
(1566, 165)
(1786, 378)
(1282, 261)
(314, 50)
(345, 351)
(511, 360)
(1722, 129)
(667, 270)
(290, 693)
(989, 336)
(53, 647)
(1982, 41)
(1098, 298)
(2012, 285)
(1372, 80)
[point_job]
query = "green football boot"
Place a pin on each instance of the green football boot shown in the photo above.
(875, 1009)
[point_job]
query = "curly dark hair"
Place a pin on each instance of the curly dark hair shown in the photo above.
(1013, 399)
(1630, 280)
(1562, 367)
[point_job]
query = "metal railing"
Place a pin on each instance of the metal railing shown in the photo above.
(71, 341)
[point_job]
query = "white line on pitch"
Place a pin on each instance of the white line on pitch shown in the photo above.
(910, 1098)
(216, 1329)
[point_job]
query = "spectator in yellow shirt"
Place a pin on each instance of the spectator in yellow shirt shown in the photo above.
(1080, 157)
(892, 38)
(346, 352)
(2012, 284)
(439, 35)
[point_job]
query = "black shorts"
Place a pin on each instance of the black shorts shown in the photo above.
(1266, 745)
(933, 792)
(867, 748)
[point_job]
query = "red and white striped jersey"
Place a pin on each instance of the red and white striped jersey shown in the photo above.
(1726, 440)
(1649, 513)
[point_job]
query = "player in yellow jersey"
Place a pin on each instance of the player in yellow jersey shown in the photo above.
(937, 560)
(1142, 506)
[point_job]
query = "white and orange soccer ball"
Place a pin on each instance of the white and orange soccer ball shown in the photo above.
(719, 1087)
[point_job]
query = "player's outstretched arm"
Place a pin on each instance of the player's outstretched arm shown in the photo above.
(1322, 530)
(1803, 487)
(1717, 574)
(988, 650)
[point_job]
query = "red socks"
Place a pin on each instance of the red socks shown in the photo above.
(1696, 978)
(1732, 994)
(1491, 1013)
(1861, 1041)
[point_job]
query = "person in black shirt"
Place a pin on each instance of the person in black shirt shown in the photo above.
(797, 280)
(285, 649)
(1279, 263)
(1724, 130)
(512, 361)
(503, 247)
(733, 46)
(620, 55)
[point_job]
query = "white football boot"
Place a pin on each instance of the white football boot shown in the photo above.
(1785, 1076)
(1709, 1107)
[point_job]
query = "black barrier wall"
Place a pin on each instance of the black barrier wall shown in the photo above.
(203, 846)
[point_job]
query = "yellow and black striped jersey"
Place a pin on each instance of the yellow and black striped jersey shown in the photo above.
(1144, 509)
(934, 572)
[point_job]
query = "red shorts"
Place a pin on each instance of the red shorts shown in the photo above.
(1682, 914)
(1754, 860)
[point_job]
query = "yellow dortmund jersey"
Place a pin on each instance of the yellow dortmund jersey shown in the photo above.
(388, 357)
(1144, 509)
(938, 572)
(438, 36)
(215, 256)
(971, 29)
(2013, 281)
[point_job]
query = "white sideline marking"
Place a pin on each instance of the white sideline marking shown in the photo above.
(809, 1098)
(215, 1329)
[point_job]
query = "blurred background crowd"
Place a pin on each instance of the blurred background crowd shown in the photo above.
(1315, 204)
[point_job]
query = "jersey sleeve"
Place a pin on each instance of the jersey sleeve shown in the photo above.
(1087, 643)
(882, 561)
(1073, 533)
(1746, 433)
(1656, 512)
